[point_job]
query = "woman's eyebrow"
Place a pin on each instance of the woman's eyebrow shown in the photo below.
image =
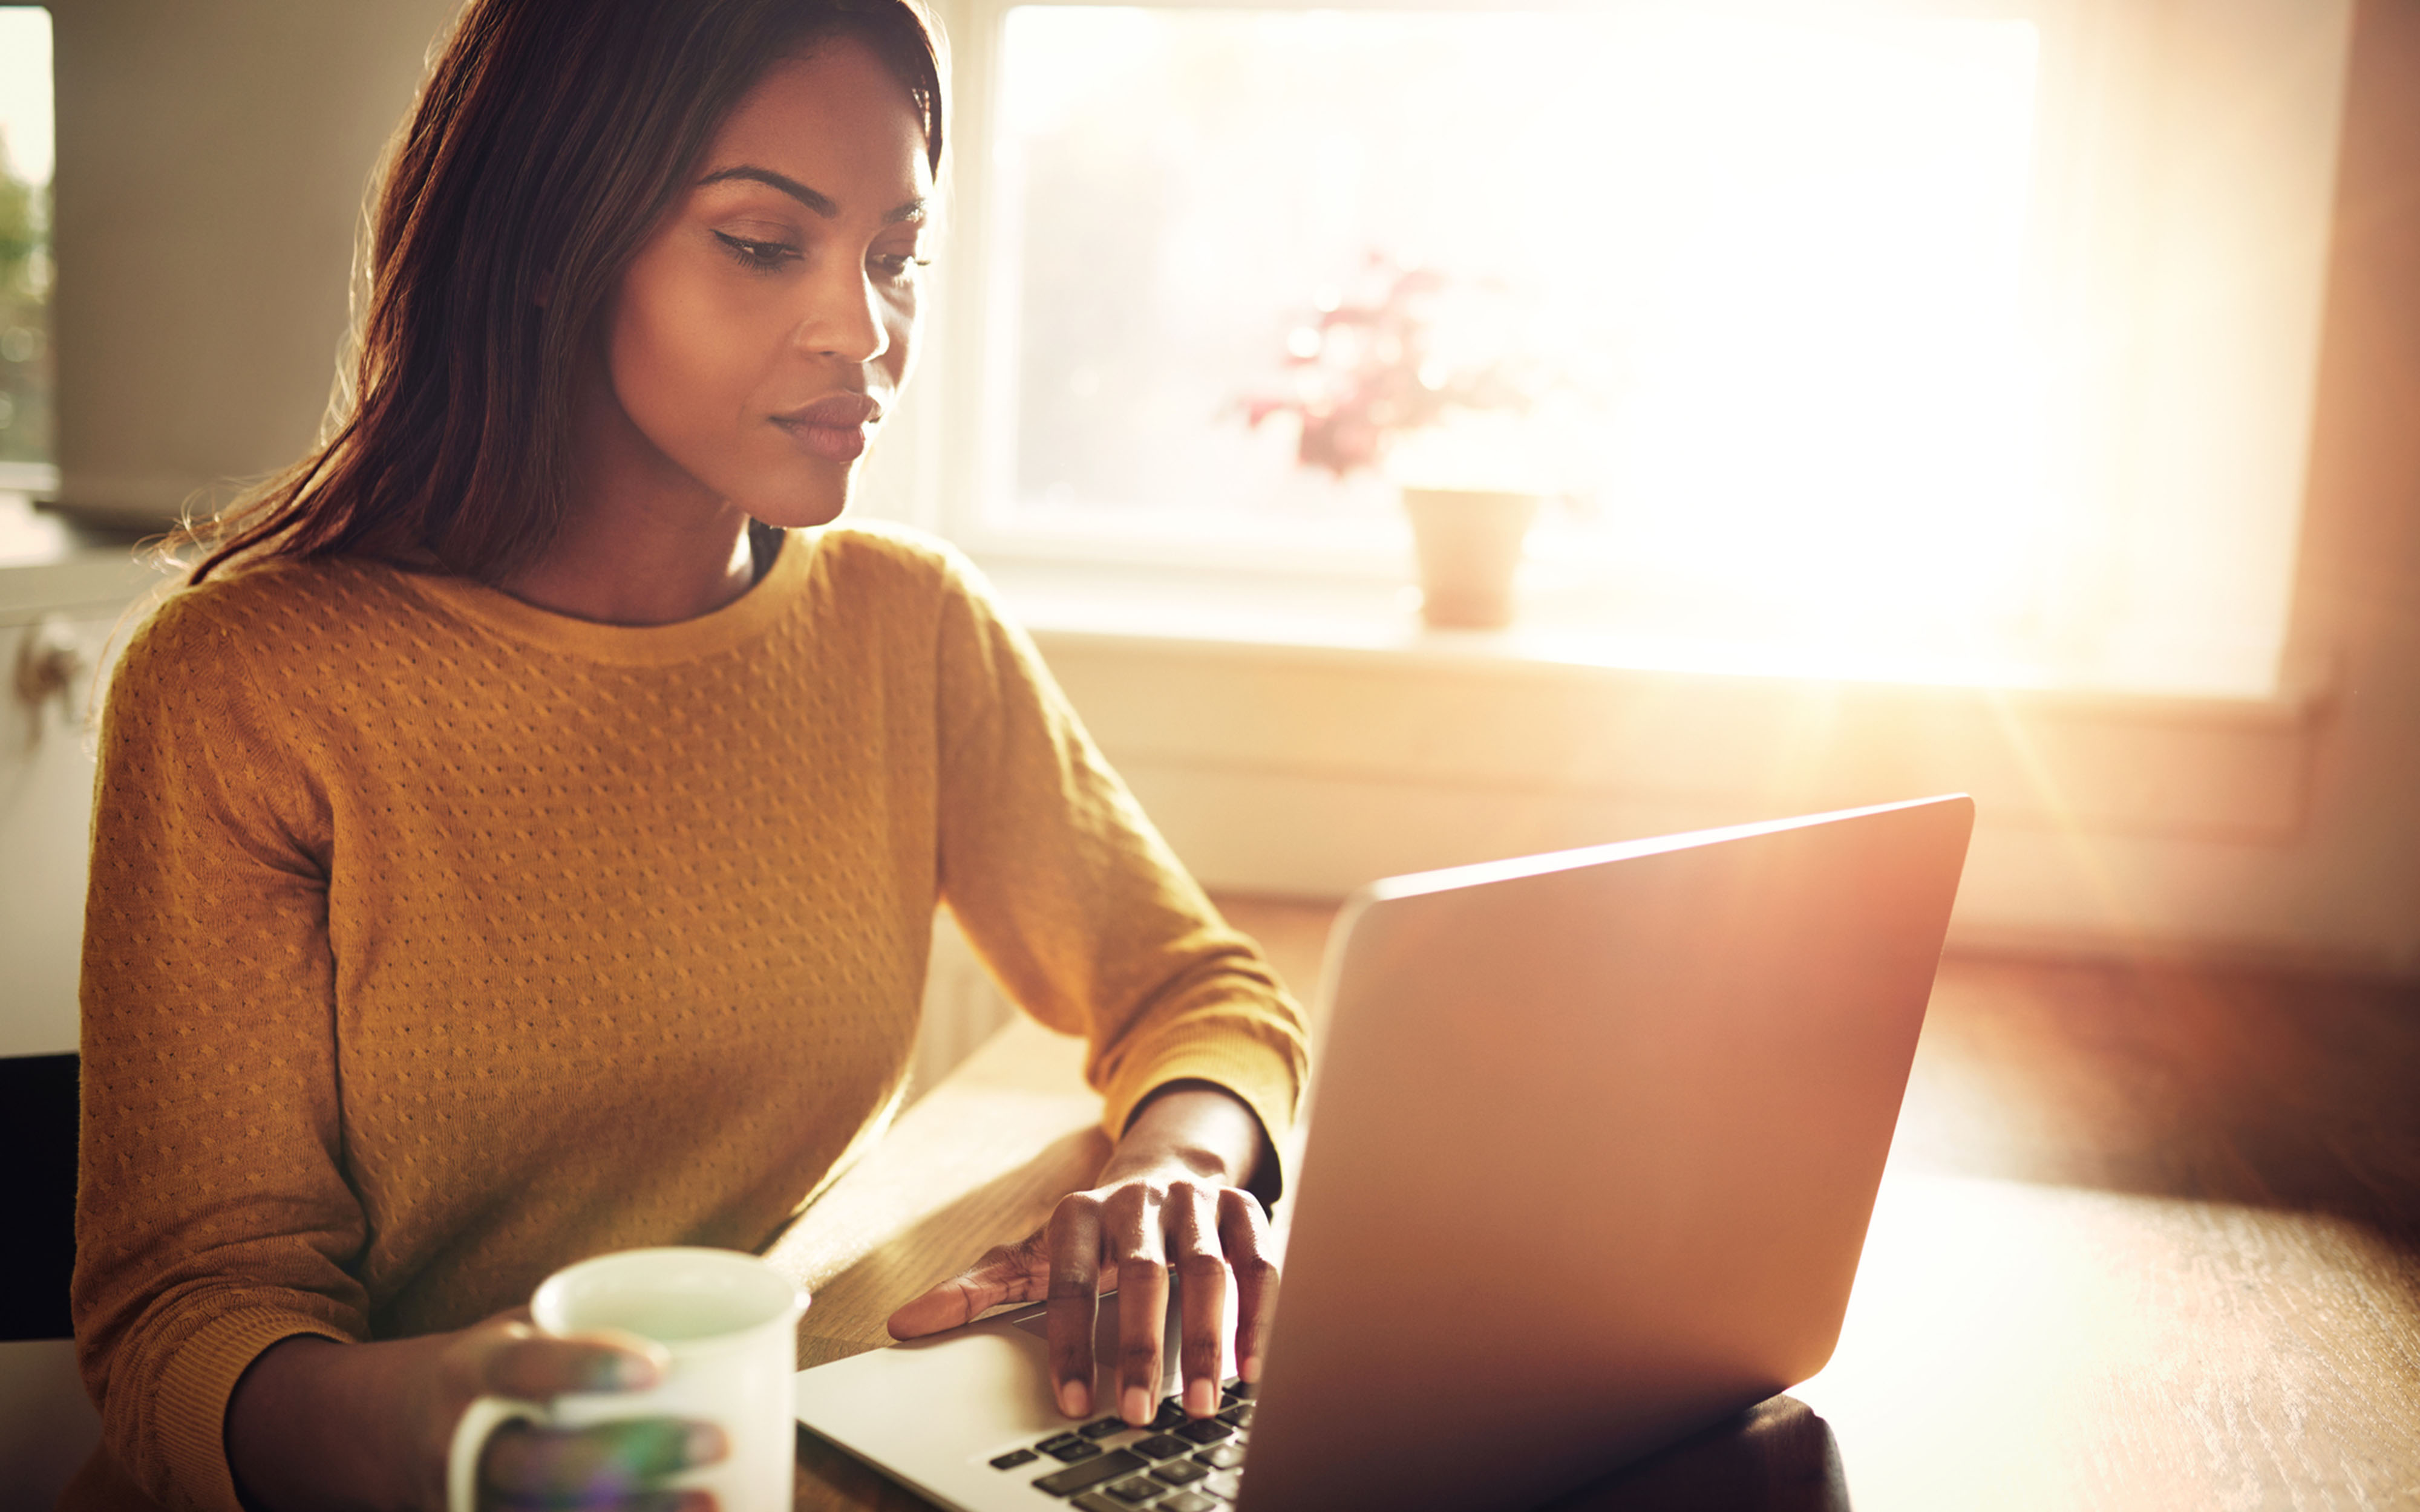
(813, 199)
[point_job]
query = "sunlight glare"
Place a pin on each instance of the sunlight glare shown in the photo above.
(1784, 249)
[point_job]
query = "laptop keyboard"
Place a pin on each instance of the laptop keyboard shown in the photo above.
(1173, 1463)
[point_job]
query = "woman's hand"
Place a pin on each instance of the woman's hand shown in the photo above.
(318, 1424)
(611, 1464)
(1170, 1199)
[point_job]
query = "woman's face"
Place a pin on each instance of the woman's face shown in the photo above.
(766, 327)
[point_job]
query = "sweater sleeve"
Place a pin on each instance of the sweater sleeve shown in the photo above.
(1076, 904)
(212, 1215)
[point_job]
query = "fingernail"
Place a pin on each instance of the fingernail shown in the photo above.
(1138, 1404)
(1250, 1368)
(1199, 1399)
(620, 1372)
(1074, 1399)
(706, 1445)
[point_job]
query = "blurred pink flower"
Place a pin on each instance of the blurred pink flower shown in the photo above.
(1369, 368)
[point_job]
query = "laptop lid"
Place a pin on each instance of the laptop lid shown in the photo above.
(1594, 1137)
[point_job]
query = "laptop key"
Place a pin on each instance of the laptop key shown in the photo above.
(1141, 1488)
(1179, 1472)
(1172, 1412)
(1222, 1456)
(1162, 1446)
(1189, 1502)
(1205, 1430)
(1105, 1427)
(1091, 1473)
(1095, 1502)
(1225, 1487)
(1242, 1390)
(1239, 1416)
(1014, 1458)
(1080, 1449)
(1058, 1441)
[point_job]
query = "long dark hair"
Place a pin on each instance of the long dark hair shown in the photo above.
(549, 138)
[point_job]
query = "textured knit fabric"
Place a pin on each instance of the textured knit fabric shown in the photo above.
(435, 941)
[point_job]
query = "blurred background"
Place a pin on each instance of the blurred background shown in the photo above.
(1942, 396)
(2014, 396)
(1920, 396)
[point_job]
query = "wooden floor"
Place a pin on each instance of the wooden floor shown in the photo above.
(2282, 1092)
(2151, 1237)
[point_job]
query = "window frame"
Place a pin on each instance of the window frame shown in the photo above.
(958, 439)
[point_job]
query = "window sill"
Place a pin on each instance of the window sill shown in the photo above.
(1363, 623)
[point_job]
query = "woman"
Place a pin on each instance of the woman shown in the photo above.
(521, 840)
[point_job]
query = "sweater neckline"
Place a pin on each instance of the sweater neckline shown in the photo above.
(639, 645)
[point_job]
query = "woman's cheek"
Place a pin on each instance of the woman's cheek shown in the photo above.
(904, 328)
(673, 368)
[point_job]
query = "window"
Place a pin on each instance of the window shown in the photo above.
(1947, 341)
(24, 249)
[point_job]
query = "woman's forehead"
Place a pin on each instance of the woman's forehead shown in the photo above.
(837, 118)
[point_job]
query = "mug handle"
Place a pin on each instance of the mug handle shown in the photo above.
(483, 1416)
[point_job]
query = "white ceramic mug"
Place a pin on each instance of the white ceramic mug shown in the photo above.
(730, 1323)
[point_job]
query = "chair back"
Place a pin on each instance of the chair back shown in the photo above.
(37, 1185)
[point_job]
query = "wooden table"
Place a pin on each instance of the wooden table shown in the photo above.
(2150, 1238)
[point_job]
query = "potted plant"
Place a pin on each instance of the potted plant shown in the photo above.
(1415, 349)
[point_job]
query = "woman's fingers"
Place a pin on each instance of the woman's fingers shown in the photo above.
(607, 1465)
(611, 1465)
(1129, 1234)
(1193, 1251)
(527, 1364)
(1243, 1237)
(1074, 1242)
(1009, 1273)
(669, 1502)
(1132, 1231)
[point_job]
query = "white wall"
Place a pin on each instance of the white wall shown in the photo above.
(2104, 822)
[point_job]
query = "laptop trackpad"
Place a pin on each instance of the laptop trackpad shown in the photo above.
(1036, 1321)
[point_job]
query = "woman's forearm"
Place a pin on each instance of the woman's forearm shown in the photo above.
(316, 1423)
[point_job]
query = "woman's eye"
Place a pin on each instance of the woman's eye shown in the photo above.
(764, 256)
(898, 266)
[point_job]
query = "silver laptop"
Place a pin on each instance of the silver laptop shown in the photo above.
(1592, 1141)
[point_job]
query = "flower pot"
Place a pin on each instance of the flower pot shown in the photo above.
(1469, 545)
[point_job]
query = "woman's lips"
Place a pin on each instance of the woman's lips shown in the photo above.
(835, 428)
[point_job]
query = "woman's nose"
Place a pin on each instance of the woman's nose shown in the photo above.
(844, 320)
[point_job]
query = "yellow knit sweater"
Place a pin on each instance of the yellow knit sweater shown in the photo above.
(435, 941)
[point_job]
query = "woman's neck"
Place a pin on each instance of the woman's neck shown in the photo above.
(643, 542)
(636, 572)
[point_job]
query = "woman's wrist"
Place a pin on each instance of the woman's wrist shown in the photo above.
(1194, 1127)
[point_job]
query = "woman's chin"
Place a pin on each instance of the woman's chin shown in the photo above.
(799, 510)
